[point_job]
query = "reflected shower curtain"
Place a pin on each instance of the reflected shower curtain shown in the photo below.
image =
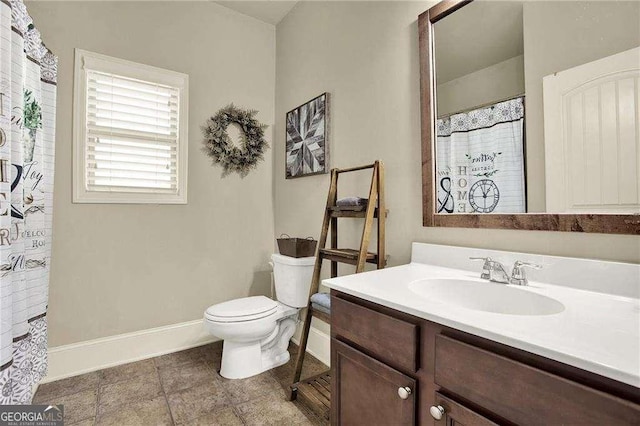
(27, 128)
(480, 160)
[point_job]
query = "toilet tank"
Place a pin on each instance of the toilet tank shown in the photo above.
(292, 277)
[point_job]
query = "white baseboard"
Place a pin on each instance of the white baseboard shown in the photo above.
(92, 355)
(84, 357)
(318, 343)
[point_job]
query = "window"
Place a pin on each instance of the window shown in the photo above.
(130, 132)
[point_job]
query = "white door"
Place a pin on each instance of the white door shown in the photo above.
(592, 137)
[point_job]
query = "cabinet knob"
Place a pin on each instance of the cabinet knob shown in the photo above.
(404, 392)
(436, 411)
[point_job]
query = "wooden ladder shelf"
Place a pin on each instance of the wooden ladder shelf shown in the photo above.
(315, 391)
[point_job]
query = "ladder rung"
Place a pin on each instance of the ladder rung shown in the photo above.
(362, 208)
(346, 255)
(320, 314)
(352, 211)
(355, 169)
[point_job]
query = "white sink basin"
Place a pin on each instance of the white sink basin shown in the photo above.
(486, 296)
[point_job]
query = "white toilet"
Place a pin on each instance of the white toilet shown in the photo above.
(256, 330)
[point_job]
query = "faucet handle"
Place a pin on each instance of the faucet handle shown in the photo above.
(529, 264)
(518, 274)
(486, 267)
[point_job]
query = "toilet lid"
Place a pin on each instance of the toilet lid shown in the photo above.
(243, 309)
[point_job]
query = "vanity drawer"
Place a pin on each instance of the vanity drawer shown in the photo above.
(522, 394)
(391, 340)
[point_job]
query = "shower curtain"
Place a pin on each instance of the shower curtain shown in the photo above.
(480, 164)
(27, 128)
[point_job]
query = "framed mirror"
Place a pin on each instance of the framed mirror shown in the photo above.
(530, 115)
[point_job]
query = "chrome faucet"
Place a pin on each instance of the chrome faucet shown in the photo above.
(518, 274)
(493, 270)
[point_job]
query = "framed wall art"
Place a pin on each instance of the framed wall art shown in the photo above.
(307, 144)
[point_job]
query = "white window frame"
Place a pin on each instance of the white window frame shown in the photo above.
(85, 60)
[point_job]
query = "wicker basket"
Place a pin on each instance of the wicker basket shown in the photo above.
(297, 247)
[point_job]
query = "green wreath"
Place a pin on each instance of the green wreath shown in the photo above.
(219, 146)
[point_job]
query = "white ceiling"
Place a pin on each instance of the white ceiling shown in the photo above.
(269, 11)
(480, 34)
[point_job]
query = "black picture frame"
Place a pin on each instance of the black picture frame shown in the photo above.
(307, 138)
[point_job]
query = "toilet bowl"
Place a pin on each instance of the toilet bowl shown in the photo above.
(256, 330)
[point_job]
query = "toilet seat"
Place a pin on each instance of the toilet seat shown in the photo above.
(241, 310)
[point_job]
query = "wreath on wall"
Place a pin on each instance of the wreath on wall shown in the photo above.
(219, 146)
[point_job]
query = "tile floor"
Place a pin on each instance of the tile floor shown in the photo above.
(182, 388)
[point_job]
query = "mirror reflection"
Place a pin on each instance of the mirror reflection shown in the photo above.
(538, 108)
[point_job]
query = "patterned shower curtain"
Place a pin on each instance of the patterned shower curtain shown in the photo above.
(480, 163)
(27, 129)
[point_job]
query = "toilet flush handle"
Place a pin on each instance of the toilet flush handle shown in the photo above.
(273, 289)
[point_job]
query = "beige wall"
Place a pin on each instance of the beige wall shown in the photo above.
(122, 268)
(559, 35)
(496, 83)
(366, 56)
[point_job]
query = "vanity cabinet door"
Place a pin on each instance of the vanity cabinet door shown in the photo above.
(368, 392)
(450, 413)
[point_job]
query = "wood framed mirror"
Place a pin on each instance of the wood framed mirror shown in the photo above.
(529, 122)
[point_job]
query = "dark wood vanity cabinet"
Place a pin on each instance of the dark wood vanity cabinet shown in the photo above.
(390, 368)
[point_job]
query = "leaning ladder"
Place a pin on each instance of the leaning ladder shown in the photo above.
(315, 391)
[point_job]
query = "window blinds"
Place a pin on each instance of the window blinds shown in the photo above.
(132, 135)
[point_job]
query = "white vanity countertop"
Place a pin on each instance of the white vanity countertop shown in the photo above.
(596, 332)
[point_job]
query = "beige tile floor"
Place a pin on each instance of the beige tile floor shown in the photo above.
(182, 388)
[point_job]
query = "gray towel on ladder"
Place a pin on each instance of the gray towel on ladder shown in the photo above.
(321, 302)
(351, 202)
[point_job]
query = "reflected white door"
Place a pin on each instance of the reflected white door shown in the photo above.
(592, 136)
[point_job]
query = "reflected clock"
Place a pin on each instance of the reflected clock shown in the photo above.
(484, 196)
